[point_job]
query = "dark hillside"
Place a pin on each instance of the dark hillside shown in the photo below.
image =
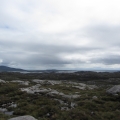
(5, 68)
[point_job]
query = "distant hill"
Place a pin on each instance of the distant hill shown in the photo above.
(9, 69)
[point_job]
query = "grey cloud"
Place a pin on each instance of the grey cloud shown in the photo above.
(44, 59)
(108, 60)
(107, 39)
(32, 52)
(58, 49)
(39, 54)
(36, 60)
(31, 35)
(106, 35)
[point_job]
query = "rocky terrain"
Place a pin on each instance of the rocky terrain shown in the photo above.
(27, 97)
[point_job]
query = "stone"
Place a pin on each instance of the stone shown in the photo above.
(114, 90)
(65, 108)
(21, 82)
(3, 109)
(71, 96)
(13, 105)
(73, 105)
(94, 97)
(26, 117)
(2, 81)
(46, 82)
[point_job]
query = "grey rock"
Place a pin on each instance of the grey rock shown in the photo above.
(32, 89)
(94, 97)
(55, 92)
(46, 82)
(3, 109)
(83, 86)
(13, 105)
(73, 105)
(71, 96)
(26, 117)
(8, 112)
(21, 82)
(114, 90)
(65, 108)
(2, 81)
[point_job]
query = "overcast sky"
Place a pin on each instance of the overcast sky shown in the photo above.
(60, 34)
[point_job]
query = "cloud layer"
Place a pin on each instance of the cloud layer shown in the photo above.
(65, 34)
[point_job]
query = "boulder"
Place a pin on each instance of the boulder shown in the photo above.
(2, 81)
(94, 97)
(47, 82)
(3, 109)
(114, 90)
(71, 96)
(26, 117)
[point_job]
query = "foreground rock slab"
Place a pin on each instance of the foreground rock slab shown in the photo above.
(114, 90)
(26, 117)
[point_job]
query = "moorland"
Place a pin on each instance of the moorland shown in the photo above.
(80, 95)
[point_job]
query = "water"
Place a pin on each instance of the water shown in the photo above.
(8, 112)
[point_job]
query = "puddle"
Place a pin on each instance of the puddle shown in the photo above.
(8, 112)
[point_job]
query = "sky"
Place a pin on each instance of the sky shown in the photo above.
(60, 34)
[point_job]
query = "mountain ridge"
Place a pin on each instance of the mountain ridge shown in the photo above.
(10, 69)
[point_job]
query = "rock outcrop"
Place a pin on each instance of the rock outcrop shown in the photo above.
(51, 92)
(26, 117)
(2, 81)
(114, 90)
(46, 82)
(21, 82)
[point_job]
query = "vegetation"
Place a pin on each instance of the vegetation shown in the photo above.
(94, 104)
